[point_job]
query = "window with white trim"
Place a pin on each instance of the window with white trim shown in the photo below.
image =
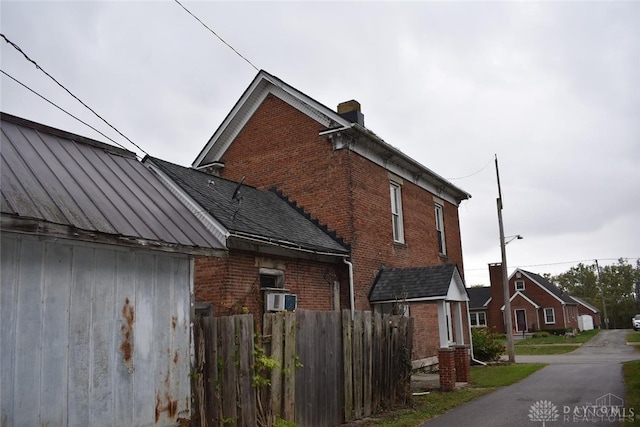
(478, 319)
(519, 285)
(442, 248)
(396, 212)
(549, 316)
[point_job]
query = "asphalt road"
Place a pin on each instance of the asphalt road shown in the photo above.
(581, 388)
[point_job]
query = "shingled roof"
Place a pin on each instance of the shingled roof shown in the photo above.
(479, 297)
(550, 287)
(419, 283)
(250, 213)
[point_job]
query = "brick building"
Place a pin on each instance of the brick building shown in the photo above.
(391, 211)
(536, 303)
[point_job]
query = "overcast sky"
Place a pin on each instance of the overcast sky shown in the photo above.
(551, 88)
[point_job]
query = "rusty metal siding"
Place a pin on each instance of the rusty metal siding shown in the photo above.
(92, 334)
(64, 179)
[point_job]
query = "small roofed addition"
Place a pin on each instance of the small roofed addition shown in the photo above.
(441, 285)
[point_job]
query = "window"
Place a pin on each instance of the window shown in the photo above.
(396, 213)
(549, 316)
(519, 285)
(478, 319)
(271, 279)
(440, 229)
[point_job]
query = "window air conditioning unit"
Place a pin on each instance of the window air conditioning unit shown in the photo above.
(282, 302)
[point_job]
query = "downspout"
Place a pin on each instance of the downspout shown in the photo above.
(471, 338)
(351, 292)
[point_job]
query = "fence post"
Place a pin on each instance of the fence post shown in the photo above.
(289, 410)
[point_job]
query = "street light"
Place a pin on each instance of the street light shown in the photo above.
(510, 239)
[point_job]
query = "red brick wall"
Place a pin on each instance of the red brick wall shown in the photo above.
(232, 284)
(425, 332)
(280, 146)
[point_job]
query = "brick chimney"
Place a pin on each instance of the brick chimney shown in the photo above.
(495, 317)
(350, 110)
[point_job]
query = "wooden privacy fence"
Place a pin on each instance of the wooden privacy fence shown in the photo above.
(328, 368)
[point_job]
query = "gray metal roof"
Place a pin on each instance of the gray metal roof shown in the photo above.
(253, 213)
(84, 189)
(413, 283)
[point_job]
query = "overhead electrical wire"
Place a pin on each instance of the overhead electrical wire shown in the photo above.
(60, 108)
(216, 34)
(558, 263)
(475, 173)
(15, 46)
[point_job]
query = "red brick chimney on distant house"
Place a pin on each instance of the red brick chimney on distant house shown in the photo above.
(495, 317)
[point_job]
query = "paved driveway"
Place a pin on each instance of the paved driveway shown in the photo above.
(582, 388)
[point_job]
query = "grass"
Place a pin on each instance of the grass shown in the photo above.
(538, 350)
(633, 337)
(631, 372)
(580, 338)
(502, 375)
(484, 380)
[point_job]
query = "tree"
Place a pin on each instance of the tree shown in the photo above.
(617, 283)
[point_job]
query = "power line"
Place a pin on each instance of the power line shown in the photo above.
(558, 263)
(60, 108)
(15, 46)
(475, 173)
(215, 34)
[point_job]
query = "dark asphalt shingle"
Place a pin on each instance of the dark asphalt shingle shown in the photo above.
(254, 212)
(411, 283)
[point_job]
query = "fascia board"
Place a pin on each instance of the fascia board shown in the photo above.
(536, 306)
(396, 168)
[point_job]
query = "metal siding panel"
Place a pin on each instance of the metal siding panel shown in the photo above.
(144, 345)
(103, 339)
(182, 336)
(164, 326)
(55, 334)
(125, 369)
(80, 315)
(28, 334)
(70, 364)
(9, 248)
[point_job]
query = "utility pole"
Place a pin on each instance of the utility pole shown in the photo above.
(505, 280)
(604, 306)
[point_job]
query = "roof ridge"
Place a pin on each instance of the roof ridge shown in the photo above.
(331, 233)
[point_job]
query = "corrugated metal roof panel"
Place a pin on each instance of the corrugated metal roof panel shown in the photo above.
(61, 178)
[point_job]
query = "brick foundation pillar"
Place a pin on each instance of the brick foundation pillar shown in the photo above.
(463, 362)
(447, 366)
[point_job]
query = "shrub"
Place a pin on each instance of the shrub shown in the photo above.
(486, 344)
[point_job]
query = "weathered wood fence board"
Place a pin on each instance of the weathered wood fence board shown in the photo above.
(331, 368)
(223, 378)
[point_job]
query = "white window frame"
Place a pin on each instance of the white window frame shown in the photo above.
(553, 315)
(439, 214)
(519, 282)
(396, 211)
(474, 317)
